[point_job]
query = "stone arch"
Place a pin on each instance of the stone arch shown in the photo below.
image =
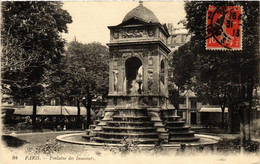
(133, 74)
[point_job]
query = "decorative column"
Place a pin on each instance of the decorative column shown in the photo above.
(166, 77)
(123, 78)
(120, 76)
(111, 76)
(155, 74)
(145, 74)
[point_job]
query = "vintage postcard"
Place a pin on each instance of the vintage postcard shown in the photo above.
(130, 82)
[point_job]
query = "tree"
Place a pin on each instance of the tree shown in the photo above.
(31, 43)
(86, 67)
(180, 72)
(229, 75)
(205, 80)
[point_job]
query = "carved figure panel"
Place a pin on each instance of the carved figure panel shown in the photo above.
(115, 76)
(150, 80)
(162, 72)
(133, 33)
(115, 62)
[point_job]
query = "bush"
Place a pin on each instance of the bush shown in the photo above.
(48, 148)
(128, 146)
(234, 145)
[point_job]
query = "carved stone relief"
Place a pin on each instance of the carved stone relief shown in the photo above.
(133, 33)
(127, 54)
(115, 63)
(150, 80)
(150, 61)
(116, 35)
(115, 76)
(116, 54)
(163, 37)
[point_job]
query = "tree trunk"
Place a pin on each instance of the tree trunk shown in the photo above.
(223, 103)
(223, 117)
(88, 112)
(78, 114)
(34, 113)
(244, 113)
(242, 128)
(88, 107)
(230, 118)
(247, 134)
(249, 122)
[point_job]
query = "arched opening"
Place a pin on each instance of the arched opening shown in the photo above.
(134, 75)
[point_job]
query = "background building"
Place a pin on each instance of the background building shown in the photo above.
(178, 36)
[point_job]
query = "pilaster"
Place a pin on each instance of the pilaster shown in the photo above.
(145, 74)
(111, 76)
(120, 76)
(155, 75)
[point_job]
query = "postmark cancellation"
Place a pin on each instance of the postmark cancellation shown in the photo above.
(224, 28)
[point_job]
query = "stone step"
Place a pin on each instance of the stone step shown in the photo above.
(129, 134)
(182, 133)
(130, 116)
(87, 130)
(128, 122)
(92, 127)
(138, 140)
(96, 122)
(129, 128)
(175, 122)
(87, 136)
(183, 139)
(178, 128)
(171, 116)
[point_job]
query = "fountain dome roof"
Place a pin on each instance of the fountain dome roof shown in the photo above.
(141, 13)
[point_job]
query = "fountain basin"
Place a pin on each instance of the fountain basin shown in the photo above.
(205, 140)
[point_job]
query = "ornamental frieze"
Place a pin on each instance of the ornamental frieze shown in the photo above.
(133, 33)
(116, 54)
(162, 37)
(129, 54)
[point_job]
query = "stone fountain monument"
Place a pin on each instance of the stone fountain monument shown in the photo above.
(138, 104)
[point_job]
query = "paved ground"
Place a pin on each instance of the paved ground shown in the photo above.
(46, 147)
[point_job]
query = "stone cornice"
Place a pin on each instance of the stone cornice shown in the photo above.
(140, 42)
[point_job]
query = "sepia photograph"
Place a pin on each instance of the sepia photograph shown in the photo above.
(130, 82)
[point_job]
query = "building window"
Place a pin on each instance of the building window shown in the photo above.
(193, 104)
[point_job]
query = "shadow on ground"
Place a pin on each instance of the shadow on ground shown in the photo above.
(11, 141)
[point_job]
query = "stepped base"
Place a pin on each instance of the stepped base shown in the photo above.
(140, 125)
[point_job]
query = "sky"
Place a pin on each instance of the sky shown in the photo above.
(90, 19)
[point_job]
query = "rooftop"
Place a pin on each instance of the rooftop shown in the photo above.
(141, 13)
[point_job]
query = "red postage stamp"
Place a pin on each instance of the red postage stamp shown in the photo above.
(224, 28)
